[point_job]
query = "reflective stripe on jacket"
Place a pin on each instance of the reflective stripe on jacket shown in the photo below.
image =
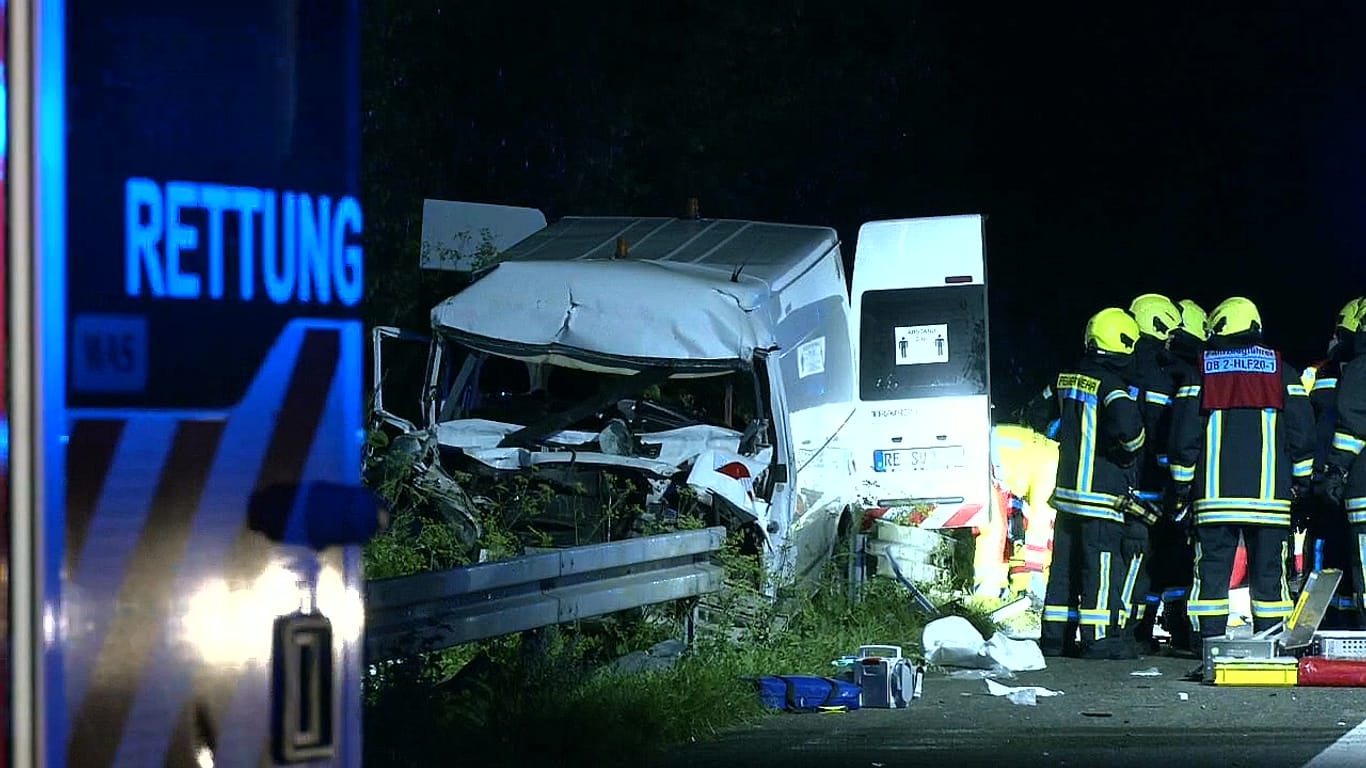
(1099, 441)
(1242, 460)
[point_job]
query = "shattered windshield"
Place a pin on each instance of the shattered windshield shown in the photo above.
(508, 390)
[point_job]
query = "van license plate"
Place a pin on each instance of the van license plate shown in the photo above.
(913, 459)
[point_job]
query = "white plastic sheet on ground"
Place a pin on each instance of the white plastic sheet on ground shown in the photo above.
(1024, 695)
(953, 642)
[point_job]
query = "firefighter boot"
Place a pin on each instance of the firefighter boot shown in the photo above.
(1178, 624)
(1118, 648)
(1143, 628)
(1117, 645)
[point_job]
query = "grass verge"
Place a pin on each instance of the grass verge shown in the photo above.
(549, 696)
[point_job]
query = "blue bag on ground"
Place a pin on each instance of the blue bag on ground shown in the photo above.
(805, 693)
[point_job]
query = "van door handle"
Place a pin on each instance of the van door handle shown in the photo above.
(896, 439)
(302, 727)
(941, 437)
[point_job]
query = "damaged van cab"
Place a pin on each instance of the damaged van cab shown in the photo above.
(610, 374)
(637, 367)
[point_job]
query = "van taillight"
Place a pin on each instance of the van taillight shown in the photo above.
(958, 279)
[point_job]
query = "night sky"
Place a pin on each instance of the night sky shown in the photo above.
(1199, 153)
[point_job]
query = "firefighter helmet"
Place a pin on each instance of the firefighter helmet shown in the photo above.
(1235, 315)
(1349, 317)
(1156, 315)
(1353, 323)
(1193, 319)
(1112, 331)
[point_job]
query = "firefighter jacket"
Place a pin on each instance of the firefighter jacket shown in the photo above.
(1041, 412)
(1028, 468)
(1152, 388)
(1181, 368)
(1349, 434)
(1243, 436)
(1099, 441)
(1321, 381)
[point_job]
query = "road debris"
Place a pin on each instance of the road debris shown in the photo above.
(1025, 695)
(1183, 696)
(1149, 672)
(953, 642)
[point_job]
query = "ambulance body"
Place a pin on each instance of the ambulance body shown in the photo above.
(185, 368)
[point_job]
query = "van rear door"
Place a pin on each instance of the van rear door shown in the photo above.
(919, 322)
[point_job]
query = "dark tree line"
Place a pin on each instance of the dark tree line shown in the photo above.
(812, 112)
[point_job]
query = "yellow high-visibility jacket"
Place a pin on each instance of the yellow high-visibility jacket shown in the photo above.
(1026, 463)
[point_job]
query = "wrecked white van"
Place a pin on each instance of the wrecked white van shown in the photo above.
(658, 359)
(643, 366)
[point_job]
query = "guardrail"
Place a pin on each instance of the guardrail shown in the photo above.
(432, 611)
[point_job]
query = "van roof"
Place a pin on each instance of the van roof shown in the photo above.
(561, 295)
(773, 253)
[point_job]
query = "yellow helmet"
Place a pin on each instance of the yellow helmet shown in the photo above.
(1193, 319)
(1111, 330)
(1234, 315)
(1349, 317)
(1353, 323)
(1156, 315)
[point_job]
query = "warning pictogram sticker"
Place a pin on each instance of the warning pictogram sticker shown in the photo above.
(918, 344)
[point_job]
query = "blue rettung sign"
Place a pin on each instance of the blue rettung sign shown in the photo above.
(207, 231)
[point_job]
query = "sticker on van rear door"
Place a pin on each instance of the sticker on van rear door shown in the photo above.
(917, 344)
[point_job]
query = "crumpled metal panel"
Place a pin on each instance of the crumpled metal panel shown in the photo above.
(623, 309)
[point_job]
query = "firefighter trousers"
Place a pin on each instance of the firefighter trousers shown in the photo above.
(1267, 556)
(1086, 585)
(1330, 541)
(1357, 543)
(1170, 570)
(1134, 548)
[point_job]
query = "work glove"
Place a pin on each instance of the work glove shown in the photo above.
(1299, 513)
(1178, 509)
(1328, 485)
(1179, 501)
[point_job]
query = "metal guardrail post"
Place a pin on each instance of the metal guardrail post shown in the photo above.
(432, 611)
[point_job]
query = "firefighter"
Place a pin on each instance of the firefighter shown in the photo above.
(1341, 478)
(1028, 470)
(1327, 534)
(1157, 317)
(1172, 562)
(1099, 442)
(1341, 344)
(1241, 452)
(1188, 341)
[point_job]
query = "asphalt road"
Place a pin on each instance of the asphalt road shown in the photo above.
(1106, 717)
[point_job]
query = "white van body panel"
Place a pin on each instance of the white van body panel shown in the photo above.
(699, 297)
(919, 320)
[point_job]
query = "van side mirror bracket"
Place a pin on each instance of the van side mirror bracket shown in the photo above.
(774, 474)
(777, 473)
(755, 436)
